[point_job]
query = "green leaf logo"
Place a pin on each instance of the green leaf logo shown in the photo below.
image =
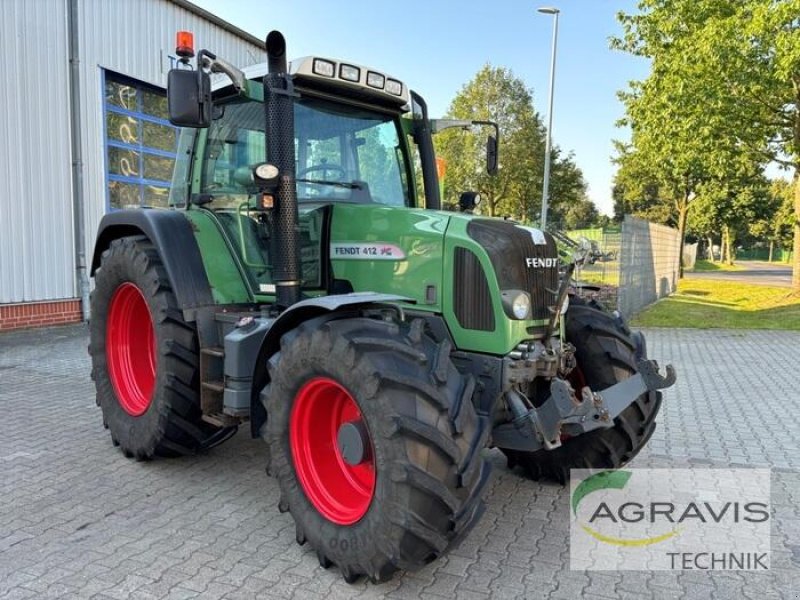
(610, 480)
(599, 481)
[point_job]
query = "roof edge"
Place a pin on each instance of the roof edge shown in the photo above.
(223, 24)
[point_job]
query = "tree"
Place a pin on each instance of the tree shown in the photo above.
(729, 210)
(729, 75)
(678, 146)
(775, 226)
(659, 179)
(637, 190)
(569, 206)
(495, 94)
(578, 215)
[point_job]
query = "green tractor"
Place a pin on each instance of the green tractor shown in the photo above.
(298, 285)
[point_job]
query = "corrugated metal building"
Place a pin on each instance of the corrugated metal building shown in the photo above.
(84, 130)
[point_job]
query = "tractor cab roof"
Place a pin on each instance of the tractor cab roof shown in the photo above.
(336, 78)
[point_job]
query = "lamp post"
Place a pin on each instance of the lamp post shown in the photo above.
(549, 10)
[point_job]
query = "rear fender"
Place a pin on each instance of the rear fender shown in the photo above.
(171, 232)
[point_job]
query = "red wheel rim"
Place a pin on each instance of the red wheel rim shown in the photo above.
(341, 492)
(131, 349)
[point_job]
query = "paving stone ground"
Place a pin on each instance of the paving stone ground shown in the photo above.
(78, 520)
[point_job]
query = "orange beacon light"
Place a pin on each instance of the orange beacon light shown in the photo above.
(184, 46)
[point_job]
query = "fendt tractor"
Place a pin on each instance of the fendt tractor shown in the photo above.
(305, 281)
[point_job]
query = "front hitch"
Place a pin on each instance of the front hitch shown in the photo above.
(563, 413)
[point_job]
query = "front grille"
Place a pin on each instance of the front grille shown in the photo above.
(519, 263)
(472, 302)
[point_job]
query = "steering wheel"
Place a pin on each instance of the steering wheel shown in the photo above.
(325, 168)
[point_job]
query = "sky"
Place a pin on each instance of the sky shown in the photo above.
(437, 46)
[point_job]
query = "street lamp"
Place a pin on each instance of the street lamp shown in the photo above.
(549, 10)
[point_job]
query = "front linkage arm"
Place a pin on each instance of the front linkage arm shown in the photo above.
(536, 428)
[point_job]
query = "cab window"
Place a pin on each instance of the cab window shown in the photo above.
(342, 153)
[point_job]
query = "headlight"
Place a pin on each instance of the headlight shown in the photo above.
(517, 304)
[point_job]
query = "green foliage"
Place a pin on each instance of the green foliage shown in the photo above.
(579, 213)
(778, 228)
(705, 266)
(495, 94)
(378, 163)
(737, 205)
(637, 190)
(720, 103)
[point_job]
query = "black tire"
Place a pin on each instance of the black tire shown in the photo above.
(171, 424)
(606, 354)
(425, 434)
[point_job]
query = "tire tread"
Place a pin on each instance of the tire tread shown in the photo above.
(403, 362)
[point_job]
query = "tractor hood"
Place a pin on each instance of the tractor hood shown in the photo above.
(462, 266)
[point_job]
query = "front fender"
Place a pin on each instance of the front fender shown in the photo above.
(323, 308)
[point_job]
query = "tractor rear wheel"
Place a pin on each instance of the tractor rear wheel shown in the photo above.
(605, 354)
(375, 443)
(144, 357)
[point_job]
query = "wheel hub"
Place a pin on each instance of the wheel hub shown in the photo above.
(353, 442)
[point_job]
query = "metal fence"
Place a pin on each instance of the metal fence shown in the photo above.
(690, 256)
(649, 264)
(603, 271)
(636, 265)
(778, 254)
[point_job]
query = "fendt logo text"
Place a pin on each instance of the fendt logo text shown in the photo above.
(541, 263)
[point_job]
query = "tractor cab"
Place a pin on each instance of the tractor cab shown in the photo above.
(344, 152)
(353, 143)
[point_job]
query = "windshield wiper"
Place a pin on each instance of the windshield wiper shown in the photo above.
(344, 184)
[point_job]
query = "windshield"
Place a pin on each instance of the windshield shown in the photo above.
(343, 153)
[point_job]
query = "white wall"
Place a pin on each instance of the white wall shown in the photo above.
(135, 38)
(36, 249)
(131, 37)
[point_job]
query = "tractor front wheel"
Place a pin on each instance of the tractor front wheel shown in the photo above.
(375, 443)
(144, 357)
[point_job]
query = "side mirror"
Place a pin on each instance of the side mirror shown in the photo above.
(189, 98)
(438, 125)
(491, 155)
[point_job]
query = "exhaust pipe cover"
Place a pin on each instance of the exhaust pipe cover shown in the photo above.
(279, 115)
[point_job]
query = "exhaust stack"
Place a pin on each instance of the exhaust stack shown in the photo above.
(279, 114)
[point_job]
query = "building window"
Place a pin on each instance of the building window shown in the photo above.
(140, 143)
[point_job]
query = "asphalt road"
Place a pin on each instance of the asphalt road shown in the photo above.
(79, 520)
(755, 272)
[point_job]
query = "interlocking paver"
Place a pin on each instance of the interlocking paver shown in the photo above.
(79, 520)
